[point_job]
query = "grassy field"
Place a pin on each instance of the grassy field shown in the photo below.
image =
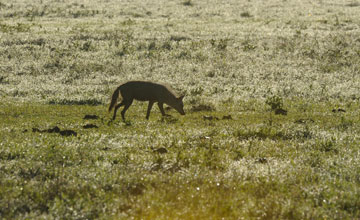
(272, 129)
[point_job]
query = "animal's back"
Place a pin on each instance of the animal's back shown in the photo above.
(145, 91)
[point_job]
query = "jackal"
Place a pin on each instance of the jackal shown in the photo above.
(145, 91)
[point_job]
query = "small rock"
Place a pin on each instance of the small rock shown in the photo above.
(68, 133)
(90, 126)
(261, 160)
(227, 117)
(91, 117)
(303, 121)
(205, 117)
(36, 130)
(280, 111)
(338, 110)
(204, 138)
(161, 150)
(55, 129)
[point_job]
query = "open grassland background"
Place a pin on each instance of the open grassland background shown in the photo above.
(60, 60)
(55, 51)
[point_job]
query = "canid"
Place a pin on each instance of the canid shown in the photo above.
(145, 91)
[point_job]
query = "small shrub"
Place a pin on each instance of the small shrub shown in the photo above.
(166, 45)
(86, 46)
(353, 4)
(183, 55)
(275, 102)
(245, 14)
(219, 44)
(211, 74)
(197, 91)
(222, 44)
(152, 46)
(3, 80)
(328, 145)
(247, 45)
(188, 3)
(178, 38)
(345, 124)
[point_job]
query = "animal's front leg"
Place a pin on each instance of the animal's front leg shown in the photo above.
(160, 104)
(149, 109)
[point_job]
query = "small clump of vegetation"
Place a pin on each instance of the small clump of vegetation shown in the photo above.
(245, 14)
(188, 3)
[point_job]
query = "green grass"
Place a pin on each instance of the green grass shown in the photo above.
(229, 157)
(303, 165)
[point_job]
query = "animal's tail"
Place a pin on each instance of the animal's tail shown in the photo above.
(114, 98)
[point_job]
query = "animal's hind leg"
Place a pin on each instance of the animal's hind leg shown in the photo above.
(117, 107)
(149, 109)
(127, 105)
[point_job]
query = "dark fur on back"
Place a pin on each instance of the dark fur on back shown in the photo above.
(146, 91)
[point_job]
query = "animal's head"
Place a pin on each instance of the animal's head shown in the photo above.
(178, 105)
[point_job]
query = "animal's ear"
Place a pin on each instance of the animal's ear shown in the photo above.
(181, 97)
